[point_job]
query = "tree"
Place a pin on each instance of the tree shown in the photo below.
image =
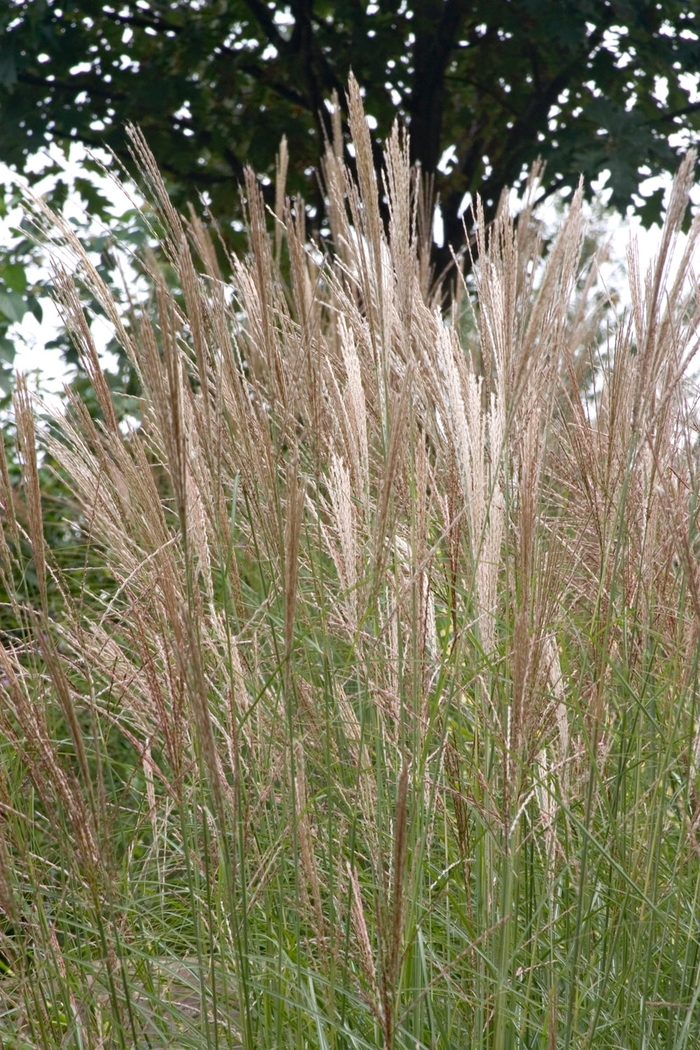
(587, 84)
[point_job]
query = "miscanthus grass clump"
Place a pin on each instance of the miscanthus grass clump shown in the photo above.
(381, 728)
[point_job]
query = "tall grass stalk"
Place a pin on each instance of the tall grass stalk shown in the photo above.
(384, 731)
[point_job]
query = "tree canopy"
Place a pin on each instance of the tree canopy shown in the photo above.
(485, 86)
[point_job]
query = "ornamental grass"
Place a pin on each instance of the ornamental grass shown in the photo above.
(378, 726)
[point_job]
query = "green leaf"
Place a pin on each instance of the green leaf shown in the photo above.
(95, 201)
(650, 211)
(57, 197)
(8, 70)
(6, 381)
(7, 350)
(14, 276)
(12, 305)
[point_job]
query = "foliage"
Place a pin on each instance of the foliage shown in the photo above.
(115, 239)
(214, 86)
(385, 733)
(17, 297)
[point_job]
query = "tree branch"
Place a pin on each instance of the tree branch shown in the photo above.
(262, 12)
(692, 107)
(437, 25)
(75, 85)
(141, 22)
